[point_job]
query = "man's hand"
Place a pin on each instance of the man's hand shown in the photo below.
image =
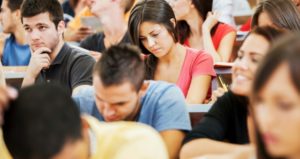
(40, 59)
(6, 94)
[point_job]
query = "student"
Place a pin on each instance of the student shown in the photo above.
(282, 14)
(200, 29)
(227, 119)
(52, 60)
(49, 126)
(15, 51)
(111, 13)
(152, 27)
(76, 31)
(120, 93)
(276, 102)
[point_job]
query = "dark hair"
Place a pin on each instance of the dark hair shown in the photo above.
(269, 33)
(32, 8)
(284, 51)
(40, 122)
(14, 5)
(283, 13)
(121, 63)
(157, 11)
(202, 7)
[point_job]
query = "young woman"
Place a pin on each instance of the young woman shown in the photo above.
(227, 119)
(282, 14)
(276, 102)
(200, 29)
(152, 27)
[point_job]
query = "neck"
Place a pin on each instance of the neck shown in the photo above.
(175, 53)
(195, 22)
(56, 49)
(20, 35)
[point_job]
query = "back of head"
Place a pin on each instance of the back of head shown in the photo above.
(40, 122)
(156, 11)
(32, 8)
(14, 5)
(121, 63)
(283, 13)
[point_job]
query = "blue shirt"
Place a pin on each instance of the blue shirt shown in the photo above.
(163, 106)
(15, 54)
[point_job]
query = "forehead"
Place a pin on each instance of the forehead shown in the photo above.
(113, 93)
(148, 27)
(255, 44)
(42, 18)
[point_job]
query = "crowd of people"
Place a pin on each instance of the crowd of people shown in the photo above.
(113, 79)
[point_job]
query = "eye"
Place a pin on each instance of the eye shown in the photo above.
(284, 105)
(27, 29)
(143, 38)
(42, 28)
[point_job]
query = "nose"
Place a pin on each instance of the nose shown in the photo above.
(34, 34)
(151, 41)
(108, 110)
(241, 63)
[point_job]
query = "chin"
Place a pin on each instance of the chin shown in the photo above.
(240, 91)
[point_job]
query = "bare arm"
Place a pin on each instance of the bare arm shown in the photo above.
(225, 48)
(38, 61)
(200, 147)
(173, 140)
(198, 89)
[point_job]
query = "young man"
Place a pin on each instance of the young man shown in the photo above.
(120, 93)
(15, 51)
(49, 126)
(52, 60)
(111, 13)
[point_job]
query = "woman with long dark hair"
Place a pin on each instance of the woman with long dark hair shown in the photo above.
(152, 27)
(199, 28)
(276, 101)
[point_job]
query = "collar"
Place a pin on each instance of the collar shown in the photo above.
(61, 55)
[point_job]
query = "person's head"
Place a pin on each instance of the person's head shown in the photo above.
(252, 51)
(10, 15)
(282, 14)
(152, 26)
(99, 7)
(276, 100)
(118, 80)
(43, 23)
(43, 123)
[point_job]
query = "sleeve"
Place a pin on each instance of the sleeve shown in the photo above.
(171, 112)
(90, 43)
(214, 124)
(81, 71)
(203, 65)
(84, 100)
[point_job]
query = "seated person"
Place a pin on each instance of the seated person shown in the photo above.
(49, 126)
(166, 59)
(76, 31)
(199, 28)
(267, 13)
(15, 51)
(120, 93)
(111, 14)
(52, 60)
(224, 128)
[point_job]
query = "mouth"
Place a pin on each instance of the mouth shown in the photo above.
(269, 139)
(111, 118)
(155, 50)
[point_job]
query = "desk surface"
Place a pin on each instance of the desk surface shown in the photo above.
(14, 72)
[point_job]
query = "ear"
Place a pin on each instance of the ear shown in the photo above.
(17, 13)
(61, 27)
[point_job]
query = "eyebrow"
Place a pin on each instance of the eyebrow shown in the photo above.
(149, 33)
(251, 53)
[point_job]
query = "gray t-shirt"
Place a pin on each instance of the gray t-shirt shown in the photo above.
(163, 107)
